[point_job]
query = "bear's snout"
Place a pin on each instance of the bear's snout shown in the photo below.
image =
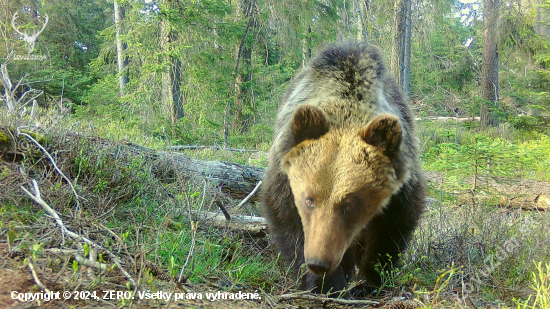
(318, 266)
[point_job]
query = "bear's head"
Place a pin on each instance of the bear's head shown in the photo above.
(340, 178)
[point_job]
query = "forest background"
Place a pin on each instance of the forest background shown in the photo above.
(173, 72)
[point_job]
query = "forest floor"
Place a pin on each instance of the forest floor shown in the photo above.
(132, 212)
(17, 278)
(529, 194)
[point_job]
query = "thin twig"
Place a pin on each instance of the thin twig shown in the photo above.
(194, 227)
(47, 154)
(38, 282)
(224, 211)
(192, 147)
(268, 299)
(79, 258)
(62, 271)
(122, 244)
(246, 199)
(38, 199)
(327, 299)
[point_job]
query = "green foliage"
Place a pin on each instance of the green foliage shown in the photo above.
(68, 53)
(445, 67)
(541, 285)
(79, 42)
(459, 155)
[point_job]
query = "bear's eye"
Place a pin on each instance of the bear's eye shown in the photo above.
(310, 202)
(347, 207)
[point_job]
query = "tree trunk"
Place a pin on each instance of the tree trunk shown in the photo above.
(177, 97)
(362, 33)
(242, 91)
(8, 91)
(400, 54)
(172, 98)
(237, 83)
(306, 46)
(122, 61)
(406, 85)
(489, 68)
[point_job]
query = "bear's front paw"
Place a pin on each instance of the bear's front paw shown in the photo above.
(365, 290)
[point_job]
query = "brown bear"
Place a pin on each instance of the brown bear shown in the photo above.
(344, 188)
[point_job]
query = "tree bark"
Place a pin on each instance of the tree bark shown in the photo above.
(8, 91)
(306, 49)
(363, 26)
(176, 111)
(243, 95)
(400, 54)
(122, 61)
(406, 85)
(237, 81)
(489, 69)
(171, 79)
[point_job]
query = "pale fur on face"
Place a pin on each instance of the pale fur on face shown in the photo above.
(331, 169)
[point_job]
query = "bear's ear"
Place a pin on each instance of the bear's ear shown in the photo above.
(308, 123)
(385, 133)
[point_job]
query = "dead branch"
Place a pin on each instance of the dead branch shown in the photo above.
(38, 282)
(120, 242)
(224, 211)
(47, 154)
(192, 147)
(8, 90)
(448, 119)
(246, 199)
(37, 197)
(194, 226)
(79, 258)
(322, 299)
(255, 226)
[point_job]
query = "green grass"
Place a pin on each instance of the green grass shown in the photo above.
(541, 286)
(149, 215)
(456, 149)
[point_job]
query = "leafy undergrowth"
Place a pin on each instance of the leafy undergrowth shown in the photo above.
(126, 209)
(456, 149)
(461, 256)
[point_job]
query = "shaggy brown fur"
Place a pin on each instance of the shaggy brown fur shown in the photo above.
(343, 187)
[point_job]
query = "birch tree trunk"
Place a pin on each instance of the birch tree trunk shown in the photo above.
(122, 61)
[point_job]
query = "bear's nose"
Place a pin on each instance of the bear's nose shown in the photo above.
(318, 267)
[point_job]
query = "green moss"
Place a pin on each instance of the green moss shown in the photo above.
(39, 138)
(5, 141)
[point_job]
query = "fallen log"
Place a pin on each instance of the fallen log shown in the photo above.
(197, 147)
(255, 226)
(449, 119)
(234, 179)
(238, 180)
